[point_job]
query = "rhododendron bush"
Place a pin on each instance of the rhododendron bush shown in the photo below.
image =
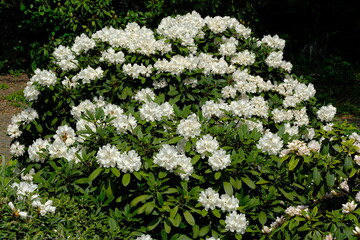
(194, 130)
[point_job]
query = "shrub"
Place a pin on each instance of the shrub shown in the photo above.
(196, 130)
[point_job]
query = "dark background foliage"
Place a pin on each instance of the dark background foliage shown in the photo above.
(322, 36)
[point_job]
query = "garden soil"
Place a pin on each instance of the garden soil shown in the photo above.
(9, 108)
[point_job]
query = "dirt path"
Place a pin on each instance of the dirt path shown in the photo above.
(7, 109)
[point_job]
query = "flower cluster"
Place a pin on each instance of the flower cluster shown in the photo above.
(109, 156)
(326, 113)
(171, 159)
(270, 143)
(25, 190)
(211, 200)
(297, 211)
(235, 222)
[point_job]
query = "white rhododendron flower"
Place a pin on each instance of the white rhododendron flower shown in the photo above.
(88, 74)
(17, 149)
(38, 150)
(207, 144)
(219, 160)
(235, 222)
(108, 156)
(44, 77)
(326, 113)
(113, 57)
(349, 207)
(245, 58)
(270, 143)
(129, 162)
(297, 211)
(169, 158)
(24, 189)
(144, 95)
(82, 43)
(144, 237)
(44, 208)
(189, 127)
(273, 41)
(209, 199)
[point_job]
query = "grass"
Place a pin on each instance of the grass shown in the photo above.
(3, 86)
(17, 98)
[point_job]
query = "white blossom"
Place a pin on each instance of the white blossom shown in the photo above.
(144, 237)
(209, 199)
(38, 150)
(44, 208)
(326, 113)
(349, 207)
(144, 95)
(235, 222)
(219, 160)
(112, 57)
(245, 58)
(44, 77)
(82, 43)
(189, 127)
(17, 149)
(108, 156)
(273, 41)
(297, 211)
(129, 162)
(270, 143)
(207, 144)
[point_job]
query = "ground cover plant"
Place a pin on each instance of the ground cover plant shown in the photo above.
(194, 130)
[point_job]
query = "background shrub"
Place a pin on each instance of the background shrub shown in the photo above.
(273, 162)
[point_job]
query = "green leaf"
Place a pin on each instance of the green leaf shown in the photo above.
(174, 211)
(217, 175)
(188, 146)
(39, 128)
(262, 217)
(228, 188)
(235, 183)
(81, 181)
(126, 179)
(115, 171)
(153, 224)
(352, 173)
(195, 229)
(176, 221)
(189, 218)
(138, 199)
(53, 164)
(94, 174)
(216, 213)
(293, 163)
(316, 176)
(289, 196)
(330, 179)
(170, 191)
(174, 140)
(248, 182)
(167, 226)
(203, 231)
(114, 226)
(348, 164)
